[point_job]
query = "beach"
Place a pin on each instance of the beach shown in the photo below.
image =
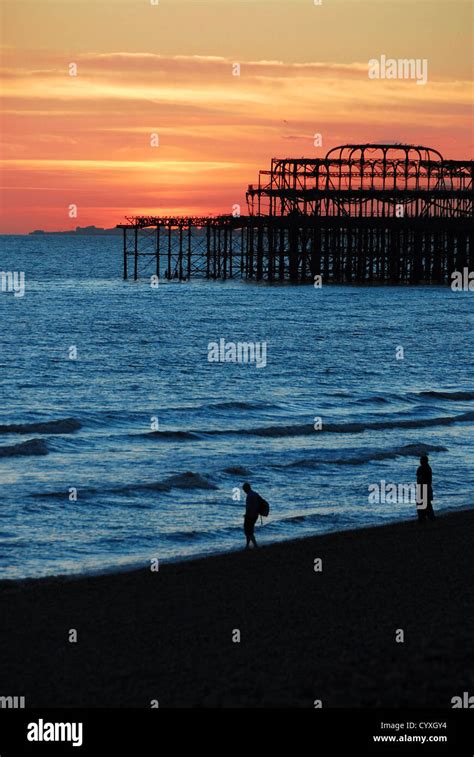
(328, 635)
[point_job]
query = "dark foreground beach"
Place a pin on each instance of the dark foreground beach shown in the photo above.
(304, 635)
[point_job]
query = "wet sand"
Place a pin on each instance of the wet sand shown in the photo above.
(305, 635)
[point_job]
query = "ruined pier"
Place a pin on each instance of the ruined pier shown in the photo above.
(371, 213)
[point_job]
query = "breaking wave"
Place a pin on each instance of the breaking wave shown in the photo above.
(448, 395)
(307, 429)
(407, 450)
(184, 435)
(187, 480)
(61, 426)
(30, 447)
(238, 470)
(353, 428)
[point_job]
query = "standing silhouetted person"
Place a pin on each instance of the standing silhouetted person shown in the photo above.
(424, 477)
(252, 510)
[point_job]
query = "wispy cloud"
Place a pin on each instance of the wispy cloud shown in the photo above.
(88, 138)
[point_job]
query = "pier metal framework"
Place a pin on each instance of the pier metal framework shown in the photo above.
(363, 213)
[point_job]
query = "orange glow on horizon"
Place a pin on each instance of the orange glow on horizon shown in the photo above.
(141, 131)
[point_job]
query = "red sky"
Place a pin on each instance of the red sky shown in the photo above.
(168, 70)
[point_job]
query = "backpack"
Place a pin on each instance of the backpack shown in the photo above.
(263, 507)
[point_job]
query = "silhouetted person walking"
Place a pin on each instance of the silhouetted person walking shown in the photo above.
(424, 477)
(252, 511)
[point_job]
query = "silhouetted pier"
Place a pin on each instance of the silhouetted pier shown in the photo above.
(364, 213)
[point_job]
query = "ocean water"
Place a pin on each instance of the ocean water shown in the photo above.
(86, 424)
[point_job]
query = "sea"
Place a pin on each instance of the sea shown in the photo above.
(125, 438)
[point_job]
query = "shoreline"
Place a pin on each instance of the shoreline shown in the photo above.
(305, 635)
(137, 567)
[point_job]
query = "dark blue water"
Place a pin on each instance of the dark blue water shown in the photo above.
(142, 353)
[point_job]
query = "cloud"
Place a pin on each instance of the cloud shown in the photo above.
(89, 136)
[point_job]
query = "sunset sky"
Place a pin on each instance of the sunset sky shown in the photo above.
(167, 69)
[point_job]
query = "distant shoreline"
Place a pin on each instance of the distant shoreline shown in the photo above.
(305, 635)
(85, 232)
(71, 233)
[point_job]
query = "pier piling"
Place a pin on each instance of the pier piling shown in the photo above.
(397, 214)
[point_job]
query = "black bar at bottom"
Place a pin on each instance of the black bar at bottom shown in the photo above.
(361, 732)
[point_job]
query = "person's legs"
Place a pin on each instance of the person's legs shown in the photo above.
(430, 512)
(249, 524)
(252, 534)
(421, 514)
(421, 501)
(247, 531)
